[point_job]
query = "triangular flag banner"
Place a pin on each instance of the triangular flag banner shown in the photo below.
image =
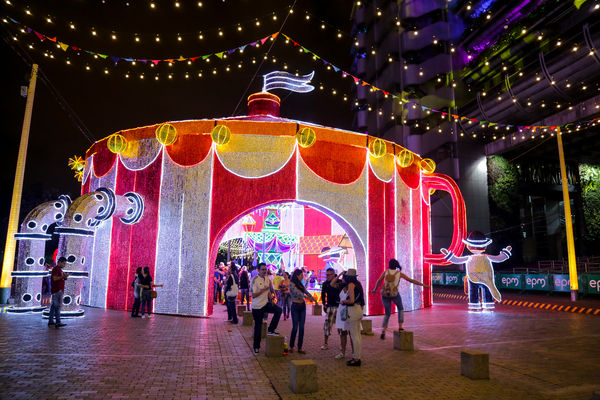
(356, 80)
(231, 51)
(194, 58)
(275, 35)
(386, 93)
(39, 35)
(325, 62)
(144, 61)
(155, 62)
(63, 46)
(241, 48)
(578, 3)
(102, 55)
(336, 69)
(365, 83)
(263, 40)
(253, 43)
(169, 60)
(206, 56)
(115, 59)
(76, 48)
(181, 58)
(51, 38)
(220, 55)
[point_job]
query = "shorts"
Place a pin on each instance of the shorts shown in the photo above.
(330, 320)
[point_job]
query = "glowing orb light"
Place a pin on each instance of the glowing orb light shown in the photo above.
(221, 134)
(405, 158)
(306, 137)
(117, 143)
(377, 148)
(427, 166)
(166, 134)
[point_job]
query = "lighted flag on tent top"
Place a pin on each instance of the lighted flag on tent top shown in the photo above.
(287, 81)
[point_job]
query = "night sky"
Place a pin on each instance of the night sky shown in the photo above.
(106, 103)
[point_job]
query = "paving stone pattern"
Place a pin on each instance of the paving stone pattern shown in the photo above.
(534, 354)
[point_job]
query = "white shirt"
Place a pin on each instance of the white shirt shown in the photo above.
(258, 283)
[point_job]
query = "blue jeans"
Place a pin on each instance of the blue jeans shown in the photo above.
(286, 300)
(480, 296)
(231, 312)
(298, 318)
(387, 306)
(146, 300)
(57, 299)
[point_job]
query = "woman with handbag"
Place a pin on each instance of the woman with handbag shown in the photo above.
(390, 294)
(298, 293)
(341, 320)
(354, 303)
(231, 293)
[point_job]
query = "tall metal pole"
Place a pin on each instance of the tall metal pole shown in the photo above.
(15, 206)
(568, 221)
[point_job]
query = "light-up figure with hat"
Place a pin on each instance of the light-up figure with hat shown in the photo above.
(480, 273)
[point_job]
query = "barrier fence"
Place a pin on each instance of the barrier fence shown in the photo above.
(588, 283)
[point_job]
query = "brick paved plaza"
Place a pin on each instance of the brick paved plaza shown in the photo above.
(108, 355)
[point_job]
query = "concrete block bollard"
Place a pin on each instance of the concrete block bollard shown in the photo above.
(475, 364)
(263, 331)
(403, 340)
(317, 309)
(240, 310)
(303, 376)
(247, 320)
(367, 327)
(274, 346)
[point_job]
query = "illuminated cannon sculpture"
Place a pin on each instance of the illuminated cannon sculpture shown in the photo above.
(32, 239)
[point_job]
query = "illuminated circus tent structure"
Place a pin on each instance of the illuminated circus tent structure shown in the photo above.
(160, 196)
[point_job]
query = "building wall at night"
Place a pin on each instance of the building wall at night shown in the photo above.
(405, 60)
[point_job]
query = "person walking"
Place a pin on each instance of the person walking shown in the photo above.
(330, 298)
(137, 293)
(57, 288)
(390, 294)
(355, 304)
(261, 286)
(245, 287)
(231, 293)
(286, 300)
(218, 277)
(298, 293)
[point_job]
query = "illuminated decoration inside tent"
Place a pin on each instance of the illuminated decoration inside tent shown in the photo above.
(289, 236)
(162, 196)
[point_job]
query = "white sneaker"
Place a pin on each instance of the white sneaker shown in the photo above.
(340, 356)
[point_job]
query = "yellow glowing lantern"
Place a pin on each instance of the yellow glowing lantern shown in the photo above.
(117, 143)
(377, 148)
(221, 134)
(166, 134)
(405, 158)
(427, 166)
(306, 137)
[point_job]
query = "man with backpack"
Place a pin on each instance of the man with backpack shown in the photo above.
(390, 294)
